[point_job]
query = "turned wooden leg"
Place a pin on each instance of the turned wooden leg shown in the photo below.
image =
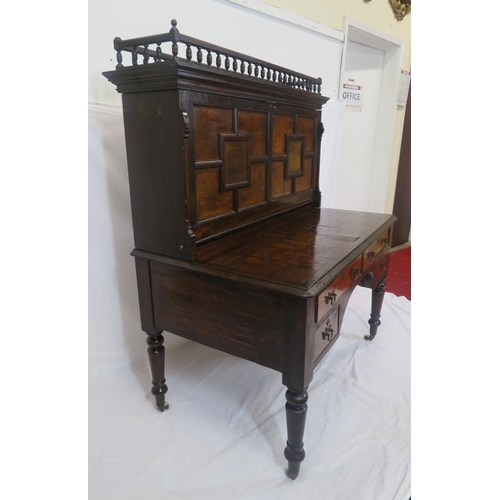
(156, 353)
(296, 410)
(377, 299)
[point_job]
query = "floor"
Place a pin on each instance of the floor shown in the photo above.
(398, 280)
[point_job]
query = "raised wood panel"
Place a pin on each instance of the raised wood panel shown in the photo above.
(254, 124)
(306, 127)
(295, 156)
(280, 185)
(244, 163)
(305, 182)
(294, 162)
(256, 192)
(208, 123)
(282, 125)
(209, 200)
(235, 156)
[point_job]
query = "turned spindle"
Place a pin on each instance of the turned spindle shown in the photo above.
(156, 353)
(296, 411)
(158, 52)
(377, 300)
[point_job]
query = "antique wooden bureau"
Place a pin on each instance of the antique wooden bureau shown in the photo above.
(232, 249)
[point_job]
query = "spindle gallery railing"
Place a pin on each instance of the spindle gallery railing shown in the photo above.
(241, 63)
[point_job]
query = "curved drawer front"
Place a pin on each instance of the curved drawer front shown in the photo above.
(375, 248)
(330, 295)
(326, 333)
(380, 268)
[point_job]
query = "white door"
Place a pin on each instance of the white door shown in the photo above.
(358, 160)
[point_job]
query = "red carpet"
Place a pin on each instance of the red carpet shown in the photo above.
(398, 280)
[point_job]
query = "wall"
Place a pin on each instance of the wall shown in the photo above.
(378, 14)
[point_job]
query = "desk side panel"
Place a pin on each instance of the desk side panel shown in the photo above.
(154, 133)
(241, 320)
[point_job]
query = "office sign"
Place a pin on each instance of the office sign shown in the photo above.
(352, 95)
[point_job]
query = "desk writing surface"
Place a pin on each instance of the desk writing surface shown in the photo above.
(296, 249)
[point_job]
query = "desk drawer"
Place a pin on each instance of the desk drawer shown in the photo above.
(375, 248)
(330, 295)
(327, 333)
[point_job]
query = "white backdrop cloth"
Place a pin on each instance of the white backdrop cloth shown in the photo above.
(225, 431)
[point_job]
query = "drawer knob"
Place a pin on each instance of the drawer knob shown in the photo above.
(370, 255)
(330, 298)
(383, 265)
(328, 333)
(354, 272)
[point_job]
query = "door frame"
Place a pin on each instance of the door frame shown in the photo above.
(393, 48)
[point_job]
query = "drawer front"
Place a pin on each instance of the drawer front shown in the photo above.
(380, 268)
(327, 333)
(330, 295)
(375, 248)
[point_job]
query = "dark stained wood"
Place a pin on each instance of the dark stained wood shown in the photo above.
(255, 193)
(232, 248)
(235, 156)
(190, 304)
(156, 353)
(296, 411)
(269, 71)
(154, 134)
(402, 197)
(305, 181)
(208, 124)
(142, 267)
(297, 249)
(298, 359)
(210, 201)
(305, 127)
(326, 333)
(254, 124)
(377, 299)
(223, 134)
(332, 293)
(282, 125)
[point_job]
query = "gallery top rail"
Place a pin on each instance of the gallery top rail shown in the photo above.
(241, 63)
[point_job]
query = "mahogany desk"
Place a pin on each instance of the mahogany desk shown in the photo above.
(232, 248)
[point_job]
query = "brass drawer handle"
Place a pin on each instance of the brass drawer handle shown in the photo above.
(328, 333)
(331, 298)
(354, 273)
(384, 241)
(370, 255)
(383, 265)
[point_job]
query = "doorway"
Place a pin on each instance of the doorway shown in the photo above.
(371, 63)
